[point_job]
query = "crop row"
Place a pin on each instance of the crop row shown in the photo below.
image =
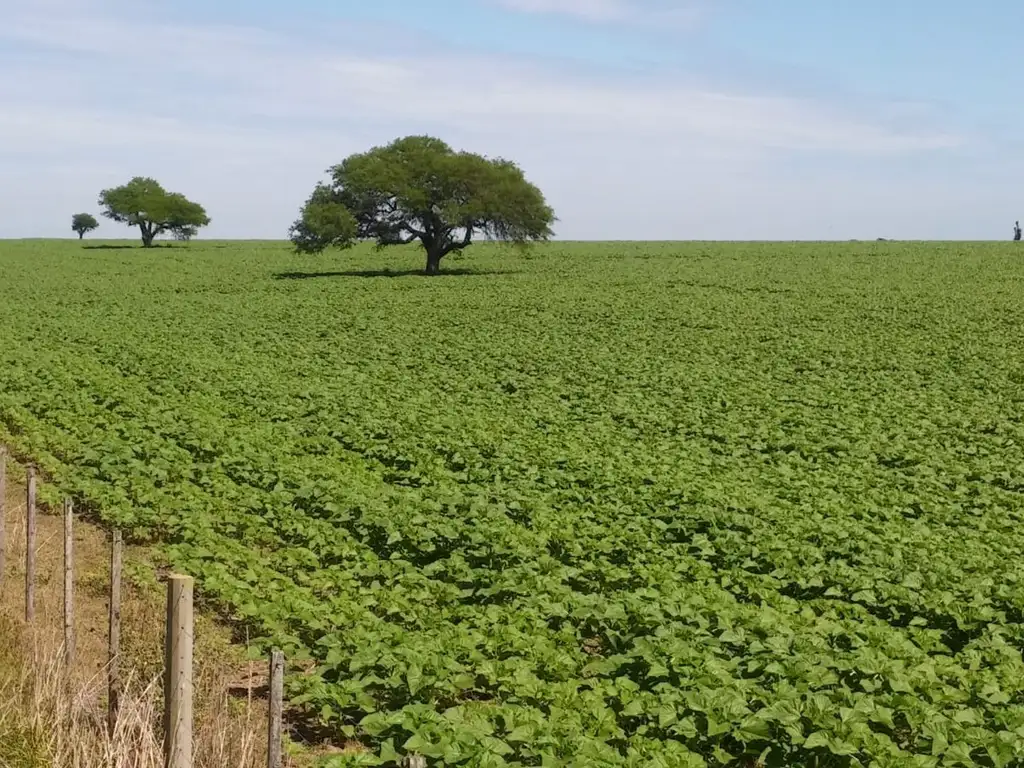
(771, 533)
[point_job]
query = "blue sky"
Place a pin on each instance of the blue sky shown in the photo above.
(640, 119)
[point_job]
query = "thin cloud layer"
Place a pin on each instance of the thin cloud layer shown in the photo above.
(675, 12)
(590, 10)
(255, 115)
(262, 72)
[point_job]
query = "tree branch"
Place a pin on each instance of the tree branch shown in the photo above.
(415, 232)
(396, 239)
(455, 245)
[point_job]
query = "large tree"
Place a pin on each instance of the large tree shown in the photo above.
(143, 203)
(420, 189)
(82, 223)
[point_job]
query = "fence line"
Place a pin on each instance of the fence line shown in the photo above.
(69, 586)
(276, 709)
(3, 511)
(178, 641)
(30, 548)
(114, 632)
(178, 673)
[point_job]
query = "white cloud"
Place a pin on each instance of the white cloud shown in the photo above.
(246, 120)
(273, 74)
(42, 130)
(677, 13)
(590, 10)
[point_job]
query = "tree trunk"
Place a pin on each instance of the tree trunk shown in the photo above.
(433, 262)
(81, 235)
(147, 235)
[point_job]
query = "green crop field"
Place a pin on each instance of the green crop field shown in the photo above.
(645, 505)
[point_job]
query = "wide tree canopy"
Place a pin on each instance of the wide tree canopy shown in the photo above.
(419, 189)
(82, 223)
(143, 203)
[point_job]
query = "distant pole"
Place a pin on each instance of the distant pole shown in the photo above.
(69, 585)
(3, 511)
(276, 712)
(30, 549)
(114, 633)
(178, 674)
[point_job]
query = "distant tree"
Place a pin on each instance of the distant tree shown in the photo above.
(419, 189)
(82, 223)
(143, 203)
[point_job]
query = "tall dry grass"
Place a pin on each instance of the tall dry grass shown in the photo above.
(51, 717)
(45, 720)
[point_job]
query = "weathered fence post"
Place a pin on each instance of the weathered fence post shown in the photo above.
(30, 548)
(3, 511)
(114, 633)
(178, 674)
(69, 585)
(276, 712)
(415, 761)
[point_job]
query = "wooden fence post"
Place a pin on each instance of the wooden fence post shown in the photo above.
(275, 715)
(69, 585)
(3, 511)
(415, 761)
(178, 674)
(114, 633)
(30, 548)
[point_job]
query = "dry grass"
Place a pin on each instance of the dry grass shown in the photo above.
(44, 721)
(53, 716)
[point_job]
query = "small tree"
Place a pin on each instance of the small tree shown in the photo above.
(418, 188)
(143, 203)
(82, 223)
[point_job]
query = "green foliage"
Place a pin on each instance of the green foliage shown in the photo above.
(82, 223)
(620, 505)
(419, 189)
(145, 204)
(323, 223)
